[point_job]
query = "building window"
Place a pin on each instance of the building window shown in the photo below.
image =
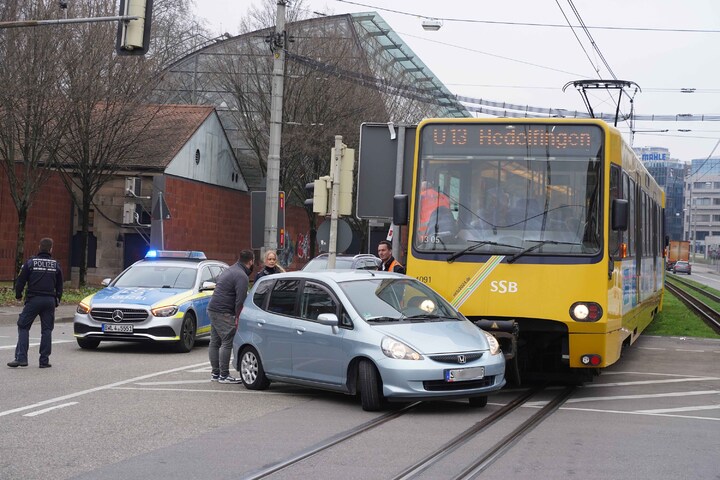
(197, 157)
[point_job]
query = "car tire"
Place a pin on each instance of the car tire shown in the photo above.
(188, 331)
(371, 397)
(88, 343)
(251, 370)
(478, 402)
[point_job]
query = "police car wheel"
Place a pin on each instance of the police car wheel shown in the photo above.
(88, 343)
(187, 334)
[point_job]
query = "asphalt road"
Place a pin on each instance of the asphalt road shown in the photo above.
(137, 411)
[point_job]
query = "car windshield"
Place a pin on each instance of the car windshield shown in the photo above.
(157, 276)
(397, 299)
(320, 263)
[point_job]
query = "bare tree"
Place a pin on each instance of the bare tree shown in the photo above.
(31, 110)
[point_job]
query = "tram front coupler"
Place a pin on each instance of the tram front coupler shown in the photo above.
(505, 331)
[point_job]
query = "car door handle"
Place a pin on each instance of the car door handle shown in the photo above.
(261, 322)
(300, 330)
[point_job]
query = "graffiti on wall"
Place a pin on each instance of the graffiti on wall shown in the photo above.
(299, 247)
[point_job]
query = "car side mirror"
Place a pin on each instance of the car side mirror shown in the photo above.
(329, 319)
(400, 209)
(106, 282)
(619, 214)
(207, 286)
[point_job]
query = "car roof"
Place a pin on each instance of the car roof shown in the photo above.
(346, 255)
(178, 262)
(337, 276)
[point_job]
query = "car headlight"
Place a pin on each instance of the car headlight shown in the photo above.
(166, 311)
(494, 344)
(394, 349)
(83, 308)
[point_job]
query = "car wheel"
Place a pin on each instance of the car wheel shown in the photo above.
(88, 343)
(370, 387)
(478, 402)
(251, 370)
(187, 334)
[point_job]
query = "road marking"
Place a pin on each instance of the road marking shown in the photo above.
(97, 389)
(682, 409)
(651, 382)
(628, 397)
(207, 369)
(667, 415)
(40, 412)
(683, 375)
(689, 351)
(174, 382)
(205, 390)
(54, 342)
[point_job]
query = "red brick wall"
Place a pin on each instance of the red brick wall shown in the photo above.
(49, 216)
(216, 221)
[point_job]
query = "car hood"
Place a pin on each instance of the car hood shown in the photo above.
(137, 296)
(433, 338)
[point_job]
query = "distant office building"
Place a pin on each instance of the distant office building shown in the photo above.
(702, 193)
(670, 175)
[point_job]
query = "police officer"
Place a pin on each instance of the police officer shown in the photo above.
(44, 281)
(389, 264)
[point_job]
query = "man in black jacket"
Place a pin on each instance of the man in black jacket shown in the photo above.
(224, 309)
(44, 281)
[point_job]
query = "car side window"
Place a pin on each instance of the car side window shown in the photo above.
(215, 271)
(284, 297)
(261, 293)
(206, 276)
(315, 300)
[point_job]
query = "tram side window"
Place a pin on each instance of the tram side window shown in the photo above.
(629, 188)
(615, 236)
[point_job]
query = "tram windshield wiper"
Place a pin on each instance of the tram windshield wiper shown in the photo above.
(475, 246)
(536, 246)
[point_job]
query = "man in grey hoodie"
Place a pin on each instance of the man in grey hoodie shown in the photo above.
(224, 309)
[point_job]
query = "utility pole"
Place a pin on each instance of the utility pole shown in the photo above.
(272, 182)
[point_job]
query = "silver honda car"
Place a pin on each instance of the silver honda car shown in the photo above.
(381, 335)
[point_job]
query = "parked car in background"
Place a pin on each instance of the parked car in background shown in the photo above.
(361, 261)
(682, 267)
(162, 298)
(382, 335)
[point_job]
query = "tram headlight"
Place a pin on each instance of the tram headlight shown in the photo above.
(586, 312)
(395, 349)
(492, 341)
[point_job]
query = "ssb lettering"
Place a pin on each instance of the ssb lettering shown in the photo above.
(503, 286)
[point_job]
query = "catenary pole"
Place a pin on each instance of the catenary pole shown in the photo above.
(272, 182)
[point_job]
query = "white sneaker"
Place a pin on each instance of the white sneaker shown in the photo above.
(229, 379)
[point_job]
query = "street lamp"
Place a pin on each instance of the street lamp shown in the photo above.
(432, 24)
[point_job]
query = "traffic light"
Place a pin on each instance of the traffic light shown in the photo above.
(133, 37)
(347, 166)
(319, 189)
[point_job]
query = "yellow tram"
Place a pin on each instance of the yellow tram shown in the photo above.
(552, 223)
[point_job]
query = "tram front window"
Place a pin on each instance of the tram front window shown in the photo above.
(505, 204)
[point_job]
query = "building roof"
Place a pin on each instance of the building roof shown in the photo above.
(169, 129)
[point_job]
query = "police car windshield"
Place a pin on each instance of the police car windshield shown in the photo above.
(157, 276)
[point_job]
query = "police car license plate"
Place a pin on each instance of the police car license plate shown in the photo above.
(460, 374)
(112, 328)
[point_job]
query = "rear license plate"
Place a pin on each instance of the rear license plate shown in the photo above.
(460, 374)
(111, 328)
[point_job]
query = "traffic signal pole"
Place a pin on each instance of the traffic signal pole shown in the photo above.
(334, 200)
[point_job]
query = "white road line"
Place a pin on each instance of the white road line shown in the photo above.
(207, 369)
(689, 351)
(651, 348)
(205, 390)
(651, 382)
(628, 397)
(40, 412)
(690, 417)
(683, 375)
(174, 382)
(54, 342)
(681, 409)
(97, 389)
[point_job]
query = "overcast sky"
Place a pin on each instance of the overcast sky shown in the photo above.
(482, 51)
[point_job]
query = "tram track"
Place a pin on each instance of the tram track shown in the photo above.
(416, 470)
(708, 314)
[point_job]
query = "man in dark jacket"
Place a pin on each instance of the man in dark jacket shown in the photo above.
(44, 281)
(224, 309)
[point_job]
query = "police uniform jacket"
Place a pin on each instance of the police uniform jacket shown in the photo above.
(43, 277)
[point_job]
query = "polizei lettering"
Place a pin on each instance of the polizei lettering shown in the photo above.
(44, 265)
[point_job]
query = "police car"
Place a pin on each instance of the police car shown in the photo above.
(162, 298)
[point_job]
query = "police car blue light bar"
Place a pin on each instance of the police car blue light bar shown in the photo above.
(194, 254)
